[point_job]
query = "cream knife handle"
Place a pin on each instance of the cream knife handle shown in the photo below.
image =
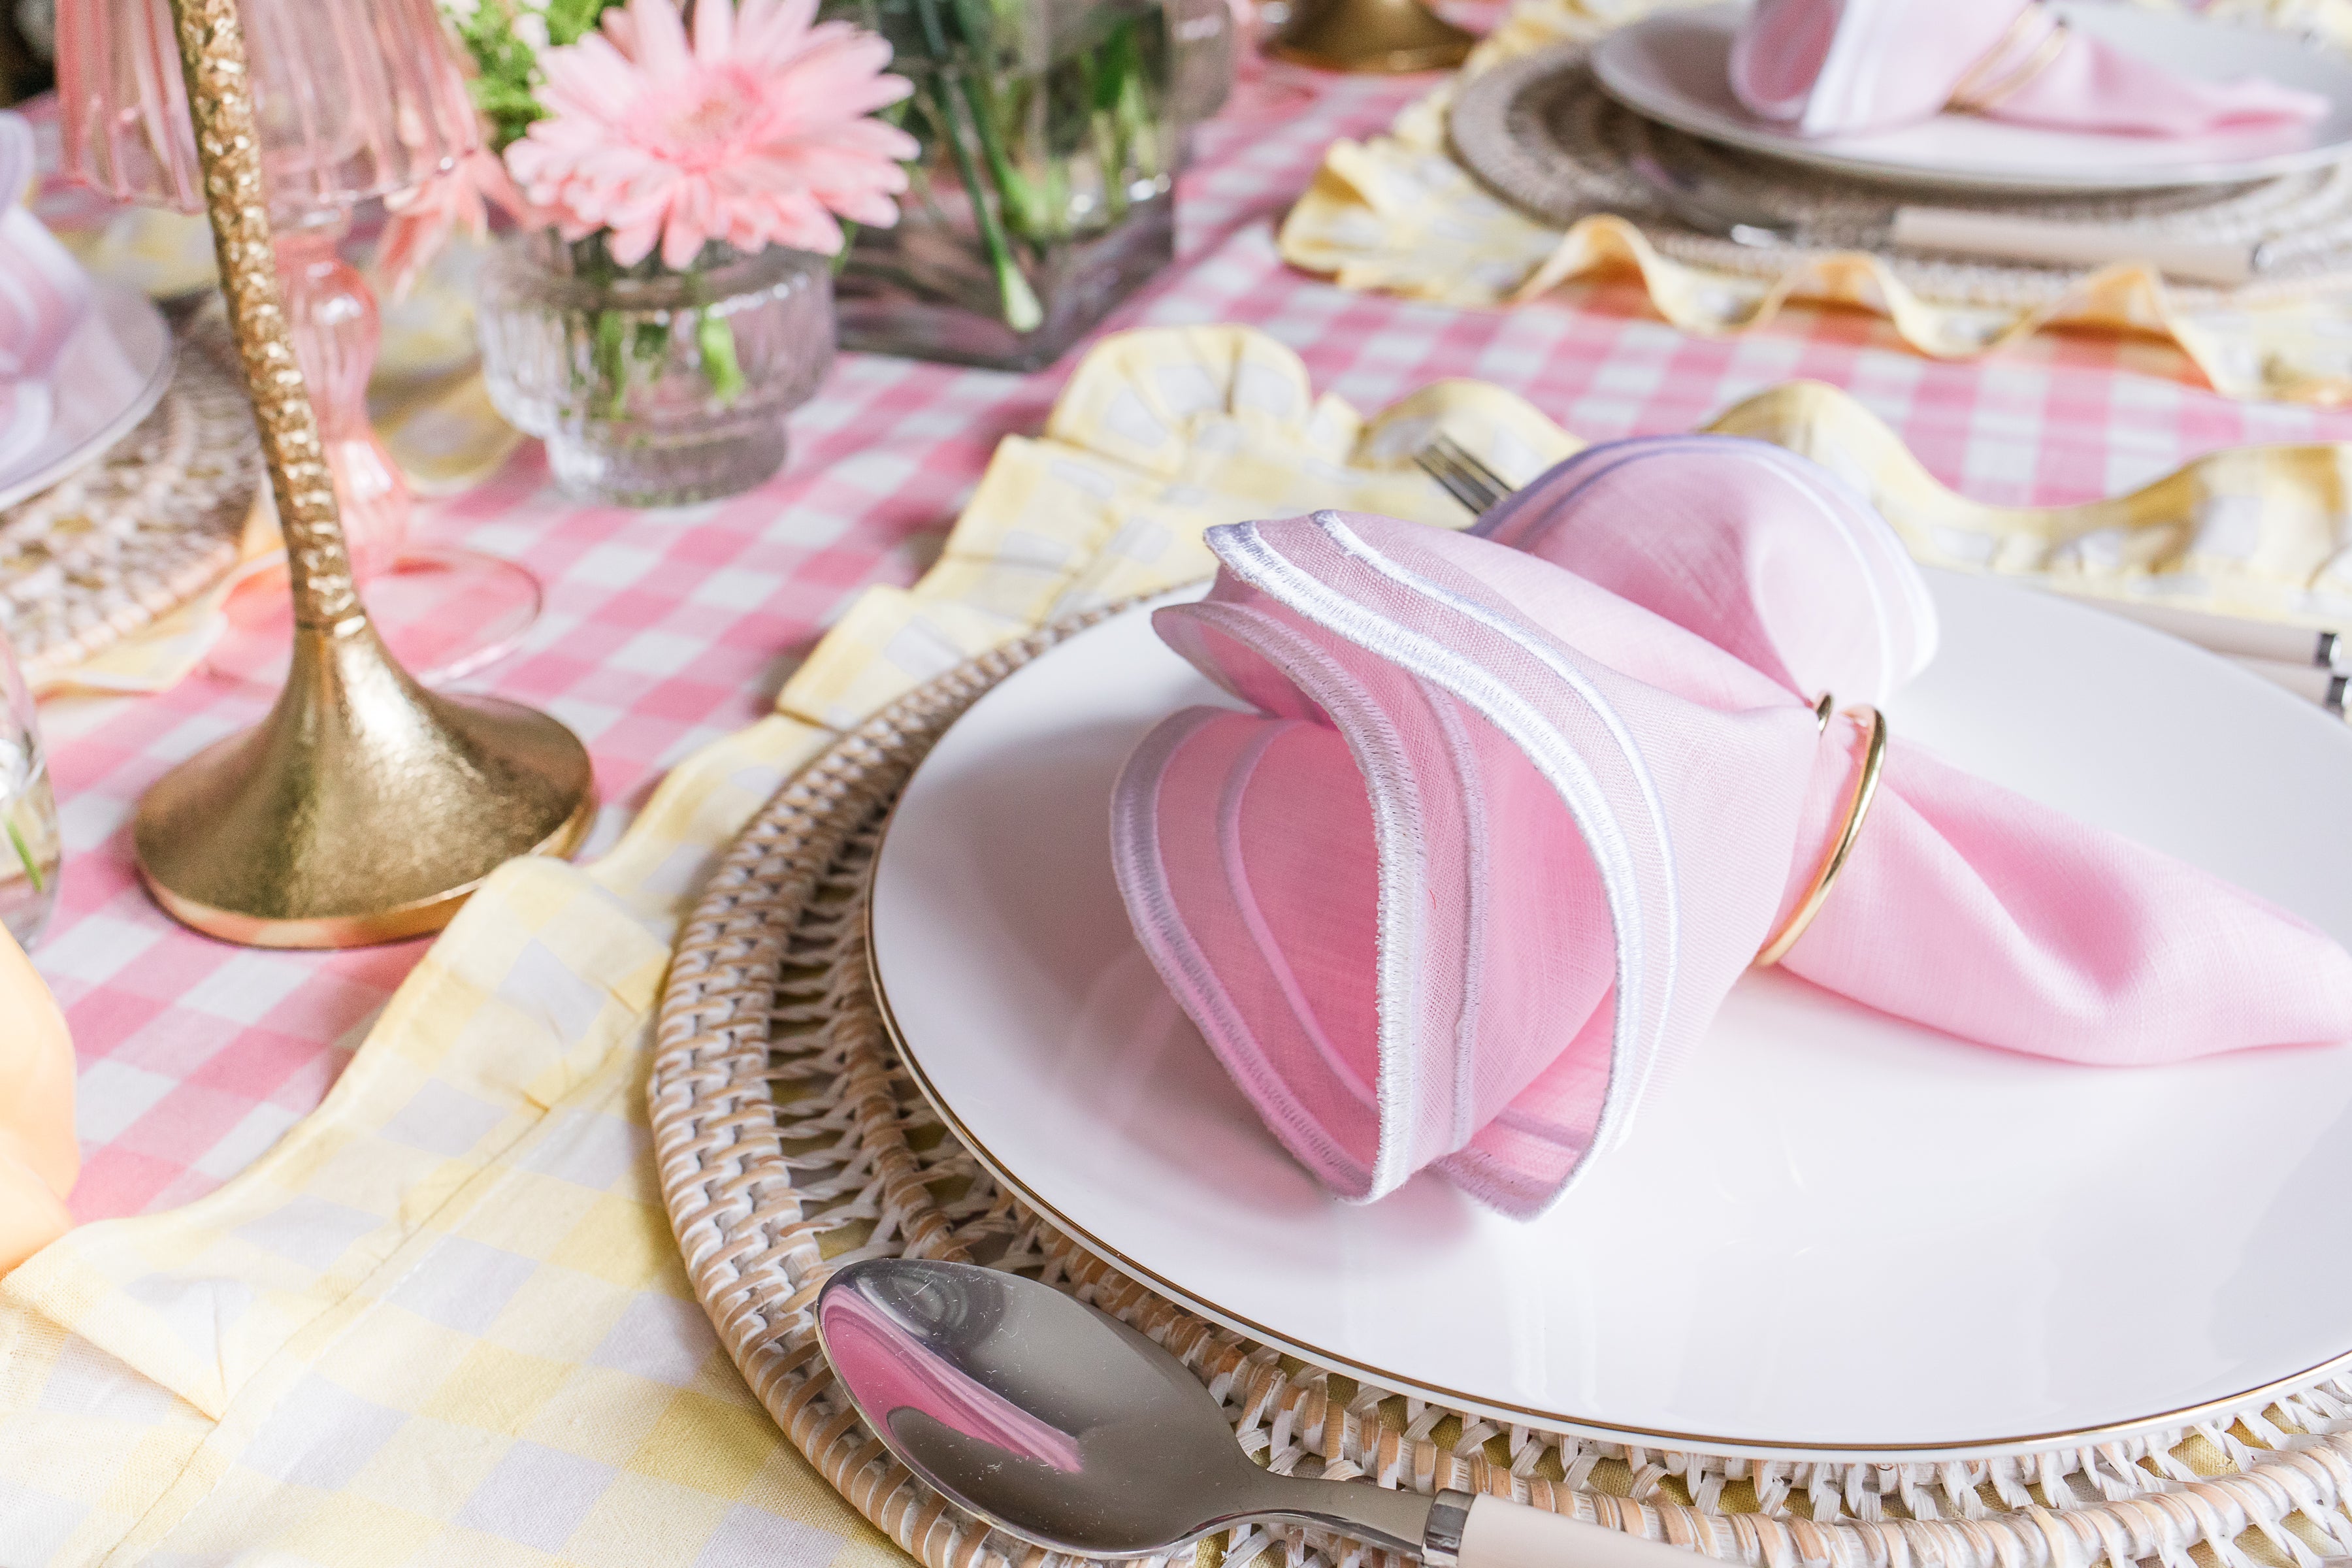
(2005, 238)
(1499, 1534)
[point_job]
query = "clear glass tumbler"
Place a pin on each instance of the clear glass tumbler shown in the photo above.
(31, 854)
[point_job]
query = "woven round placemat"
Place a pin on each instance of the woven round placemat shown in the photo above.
(1540, 132)
(790, 1141)
(143, 530)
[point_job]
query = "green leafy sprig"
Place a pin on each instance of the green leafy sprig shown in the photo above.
(501, 36)
(24, 855)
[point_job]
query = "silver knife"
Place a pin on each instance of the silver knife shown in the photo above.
(1715, 206)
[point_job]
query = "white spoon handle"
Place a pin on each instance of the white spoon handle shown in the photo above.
(1499, 1534)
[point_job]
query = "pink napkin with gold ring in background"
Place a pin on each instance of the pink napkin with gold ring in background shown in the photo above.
(44, 299)
(1829, 67)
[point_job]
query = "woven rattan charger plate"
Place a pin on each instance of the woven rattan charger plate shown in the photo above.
(1540, 133)
(140, 530)
(790, 1141)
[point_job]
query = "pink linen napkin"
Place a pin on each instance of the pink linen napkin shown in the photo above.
(1825, 68)
(1509, 815)
(44, 298)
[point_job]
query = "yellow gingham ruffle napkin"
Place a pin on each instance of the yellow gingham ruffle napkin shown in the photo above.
(1397, 214)
(444, 1321)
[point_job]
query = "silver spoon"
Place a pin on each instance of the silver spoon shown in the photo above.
(1062, 1425)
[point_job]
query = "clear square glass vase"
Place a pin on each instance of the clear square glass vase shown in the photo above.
(654, 386)
(1044, 193)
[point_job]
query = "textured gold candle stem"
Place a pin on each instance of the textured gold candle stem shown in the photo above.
(212, 52)
(364, 808)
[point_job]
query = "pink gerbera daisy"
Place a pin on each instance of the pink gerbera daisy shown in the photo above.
(754, 132)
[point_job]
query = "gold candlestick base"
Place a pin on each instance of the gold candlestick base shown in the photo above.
(364, 809)
(1392, 36)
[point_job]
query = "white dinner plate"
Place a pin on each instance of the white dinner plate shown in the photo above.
(1834, 1231)
(112, 371)
(1673, 67)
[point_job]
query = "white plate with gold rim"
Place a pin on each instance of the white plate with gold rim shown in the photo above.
(1674, 68)
(1835, 1234)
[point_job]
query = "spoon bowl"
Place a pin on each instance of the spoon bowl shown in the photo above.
(1062, 1425)
(1058, 1423)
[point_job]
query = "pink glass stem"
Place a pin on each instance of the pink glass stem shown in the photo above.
(337, 330)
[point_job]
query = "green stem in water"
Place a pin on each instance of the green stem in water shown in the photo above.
(714, 339)
(1101, 75)
(714, 334)
(1126, 138)
(1024, 212)
(1136, 118)
(1022, 313)
(24, 854)
(610, 355)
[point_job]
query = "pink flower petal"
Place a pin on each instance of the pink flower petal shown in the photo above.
(775, 24)
(662, 49)
(631, 245)
(714, 31)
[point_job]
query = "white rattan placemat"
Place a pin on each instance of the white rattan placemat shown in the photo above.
(1540, 133)
(140, 530)
(790, 1141)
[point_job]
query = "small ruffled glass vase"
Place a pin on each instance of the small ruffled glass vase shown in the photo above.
(652, 385)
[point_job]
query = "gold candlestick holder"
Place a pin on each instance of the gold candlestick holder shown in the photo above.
(1392, 36)
(364, 808)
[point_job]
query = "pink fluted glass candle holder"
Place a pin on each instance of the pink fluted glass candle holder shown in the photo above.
(355, 99)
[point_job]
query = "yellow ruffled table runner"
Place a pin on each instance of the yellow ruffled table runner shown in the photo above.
(444, 1320)
(1397, 214)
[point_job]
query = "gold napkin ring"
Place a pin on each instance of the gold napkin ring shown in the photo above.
(1857, 807)
(1985, 83)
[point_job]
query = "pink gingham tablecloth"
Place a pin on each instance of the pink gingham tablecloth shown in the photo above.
(667, 629)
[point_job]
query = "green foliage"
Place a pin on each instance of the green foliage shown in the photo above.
(498, 35)
(569, 21)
